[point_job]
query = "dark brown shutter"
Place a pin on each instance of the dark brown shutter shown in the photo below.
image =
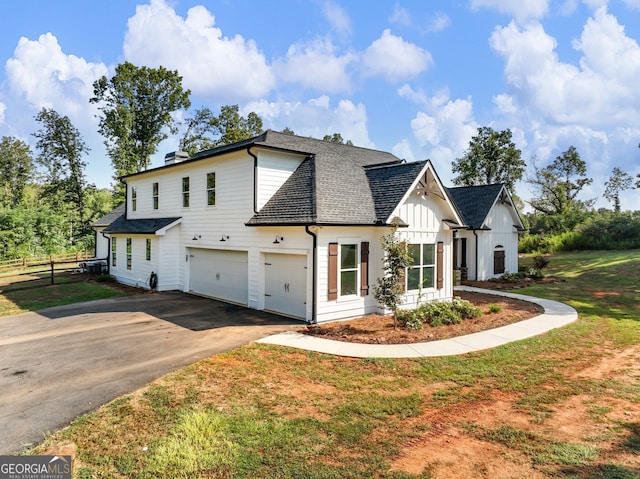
(333, 271)
(364, 268)
(440, 265)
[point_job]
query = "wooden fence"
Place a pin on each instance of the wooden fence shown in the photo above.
(25, 263)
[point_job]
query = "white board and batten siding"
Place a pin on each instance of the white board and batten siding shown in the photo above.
(424, 216)
(501, 235)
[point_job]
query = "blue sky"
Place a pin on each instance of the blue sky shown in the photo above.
(412, 77)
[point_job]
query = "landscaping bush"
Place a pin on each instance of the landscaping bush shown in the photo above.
(438, 313)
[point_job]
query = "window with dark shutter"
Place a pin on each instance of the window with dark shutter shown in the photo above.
(440, 265)
(364, 268)
(333, 271)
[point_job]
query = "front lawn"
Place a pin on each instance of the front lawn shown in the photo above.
(565, 404)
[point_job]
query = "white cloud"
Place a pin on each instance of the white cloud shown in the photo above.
(47, 77)
(316, 65)
(211, 64)
(337, 18)
(400, 16)
(438, 22)
(394, 59)
(547, 88)
(3, 107)
(316, 118)
(443, 131)
(635, 4)
(403, 150)
(521, 10)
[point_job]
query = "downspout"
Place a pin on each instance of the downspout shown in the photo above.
(108, 238)
(476, 235)
(255, 180)
(314, 302)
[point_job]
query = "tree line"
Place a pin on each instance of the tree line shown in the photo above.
(47, 206)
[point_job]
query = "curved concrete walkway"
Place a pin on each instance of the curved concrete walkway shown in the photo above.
(555, 315)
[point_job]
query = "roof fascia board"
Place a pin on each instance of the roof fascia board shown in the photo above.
(163, 231)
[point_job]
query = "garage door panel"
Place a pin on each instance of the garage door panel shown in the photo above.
(286, 284)
(219, 274)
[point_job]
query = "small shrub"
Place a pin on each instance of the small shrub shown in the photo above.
(465, 308)
(541, 262)
(494, 308)
(410, 319)
(534, 273)
(104, 278)
(513, 277)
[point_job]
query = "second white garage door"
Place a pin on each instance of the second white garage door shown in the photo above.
(286, 284)
(220, 274)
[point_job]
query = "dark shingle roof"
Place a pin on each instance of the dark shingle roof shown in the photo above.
(335, 184)
(139, 226)
(389, 184)
(110, 217)
(475, 202)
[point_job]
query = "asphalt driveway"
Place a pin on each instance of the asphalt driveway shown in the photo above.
(59, 363)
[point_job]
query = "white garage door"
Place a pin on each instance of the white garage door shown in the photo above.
(286, 284)
(219, 274)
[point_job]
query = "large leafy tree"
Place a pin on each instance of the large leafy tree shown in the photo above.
(618, 182)
(136, 105)
(205, 130)
(492, 157)
(557, 187)
(16, 170)
(60, 152)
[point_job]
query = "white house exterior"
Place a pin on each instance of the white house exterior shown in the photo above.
(487, 246)
(285, 224)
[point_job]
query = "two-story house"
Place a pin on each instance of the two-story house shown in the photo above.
(285, 224)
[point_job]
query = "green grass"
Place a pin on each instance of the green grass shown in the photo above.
(267, 411)
(32, 290)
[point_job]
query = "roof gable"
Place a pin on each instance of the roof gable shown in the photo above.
(110, 217)
(476, 202)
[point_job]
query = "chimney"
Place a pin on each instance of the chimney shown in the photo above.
(175, 157)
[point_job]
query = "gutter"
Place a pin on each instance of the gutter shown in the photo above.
(314, 294)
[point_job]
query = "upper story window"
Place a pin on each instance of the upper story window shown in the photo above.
(185, 192)
(156, 198)
(211, 189)
(134, 198)
(348, 269)
(421, 273)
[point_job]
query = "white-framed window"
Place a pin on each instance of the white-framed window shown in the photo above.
(421, 273)
(185, 192)
(148, 250)
(134, 198)
(156, 196)
(114, 249)
(211, 189)
(349, 268)
(129, 248)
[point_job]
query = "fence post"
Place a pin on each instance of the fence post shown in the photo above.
(24, 263)
(52, 276)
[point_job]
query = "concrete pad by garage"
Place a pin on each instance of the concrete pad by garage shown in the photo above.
(59, 363)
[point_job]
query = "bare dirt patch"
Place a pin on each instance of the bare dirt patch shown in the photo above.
(376, 329)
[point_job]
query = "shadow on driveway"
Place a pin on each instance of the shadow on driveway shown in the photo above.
(61, 362)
